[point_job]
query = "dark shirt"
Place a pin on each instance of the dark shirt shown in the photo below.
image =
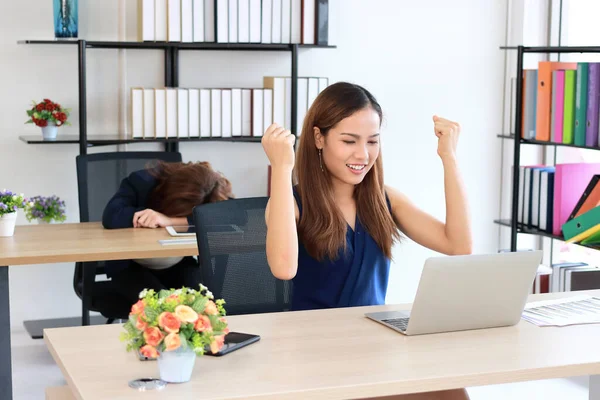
(358, 277)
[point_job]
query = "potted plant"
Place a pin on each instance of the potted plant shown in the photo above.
(175, 326)
(46, 209)
(49, 116)
(9, 204)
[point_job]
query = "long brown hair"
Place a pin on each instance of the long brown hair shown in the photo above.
(182, 186)
(322, 227)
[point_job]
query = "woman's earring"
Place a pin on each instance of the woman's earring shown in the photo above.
(321, 159)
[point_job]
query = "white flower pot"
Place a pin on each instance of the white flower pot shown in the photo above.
(176, 366)
(7, 224)
(49, 132)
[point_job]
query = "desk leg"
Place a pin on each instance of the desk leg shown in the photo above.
(5, 354)
(594, 387)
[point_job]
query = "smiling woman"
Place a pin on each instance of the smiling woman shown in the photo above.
(333, 232)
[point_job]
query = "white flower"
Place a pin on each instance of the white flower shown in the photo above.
(177, 292)
(31, 204)
(209, 294)
(143, 293)
(202, 287)
(15, 197)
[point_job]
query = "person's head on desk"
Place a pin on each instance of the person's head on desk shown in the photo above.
(164, 194)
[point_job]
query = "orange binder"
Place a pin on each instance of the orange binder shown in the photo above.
(544, 96)
(592, 201)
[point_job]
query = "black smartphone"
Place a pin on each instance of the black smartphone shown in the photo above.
(233, 342)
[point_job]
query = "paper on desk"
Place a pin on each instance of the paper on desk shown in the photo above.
(576, 310)
(167, 242)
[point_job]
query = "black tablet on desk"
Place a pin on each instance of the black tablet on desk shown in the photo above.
(235, 341)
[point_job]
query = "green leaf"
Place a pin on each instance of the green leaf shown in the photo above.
(184, 342)
(163, 294)
(151, 313)
(130, 328)
(200, 304)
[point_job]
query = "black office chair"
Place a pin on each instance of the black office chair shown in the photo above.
(231, 238)
(98, 178)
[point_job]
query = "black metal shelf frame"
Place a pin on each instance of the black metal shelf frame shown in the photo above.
(171, 60)
(521, 51)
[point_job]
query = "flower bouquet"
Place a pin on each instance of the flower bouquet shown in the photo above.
(46, 209)
(48, 116)
(175, 326)
(9, 204)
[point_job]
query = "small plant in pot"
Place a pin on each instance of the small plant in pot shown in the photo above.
(9, 205)
(46, 209)
(175, 326)
(49, 116)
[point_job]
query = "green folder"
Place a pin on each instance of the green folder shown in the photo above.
(581, 223)
(592, 239)
(569, 107)
(581, 92)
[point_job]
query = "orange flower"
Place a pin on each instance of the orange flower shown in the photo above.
(226, 330)
(217, 343)
(173, 297)
(172, 342)
(186, 314)
(149, 351)
(203, 324)
(137, 308)
(153, 336)
(140, 324)
(211, 308)
(169, 322)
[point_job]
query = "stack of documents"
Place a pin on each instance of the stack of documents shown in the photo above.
(574, 310)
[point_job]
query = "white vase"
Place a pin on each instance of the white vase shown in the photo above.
(176, 366)
(49, 132)
(7, 224)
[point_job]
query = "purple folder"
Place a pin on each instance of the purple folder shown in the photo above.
(591, 127)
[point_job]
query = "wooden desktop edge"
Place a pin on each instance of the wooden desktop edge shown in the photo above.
(59, 393)
(167, 251)
(70, 384)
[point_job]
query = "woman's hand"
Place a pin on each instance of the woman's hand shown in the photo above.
(447, 132)
(149, 218)
(278, 144)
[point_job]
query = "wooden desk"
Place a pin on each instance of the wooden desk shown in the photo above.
(332, 354)
(55, 243)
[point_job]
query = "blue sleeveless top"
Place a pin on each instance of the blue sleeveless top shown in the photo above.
(358, 277)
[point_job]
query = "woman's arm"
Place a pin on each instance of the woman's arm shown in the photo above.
(281, 216)
(282, 212)
(121, 208)
(454, 236)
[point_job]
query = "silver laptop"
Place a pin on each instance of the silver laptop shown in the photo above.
(467, 292)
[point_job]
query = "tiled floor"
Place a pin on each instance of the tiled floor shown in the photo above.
(34, 370)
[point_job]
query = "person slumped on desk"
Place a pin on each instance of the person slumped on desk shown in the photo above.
(332, 232)
(160, 196)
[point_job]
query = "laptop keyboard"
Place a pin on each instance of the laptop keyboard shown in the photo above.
(400, 323)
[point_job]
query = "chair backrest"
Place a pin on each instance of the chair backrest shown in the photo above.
(231, 238)
(99, 177)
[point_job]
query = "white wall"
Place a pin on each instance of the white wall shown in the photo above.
(419, 58)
